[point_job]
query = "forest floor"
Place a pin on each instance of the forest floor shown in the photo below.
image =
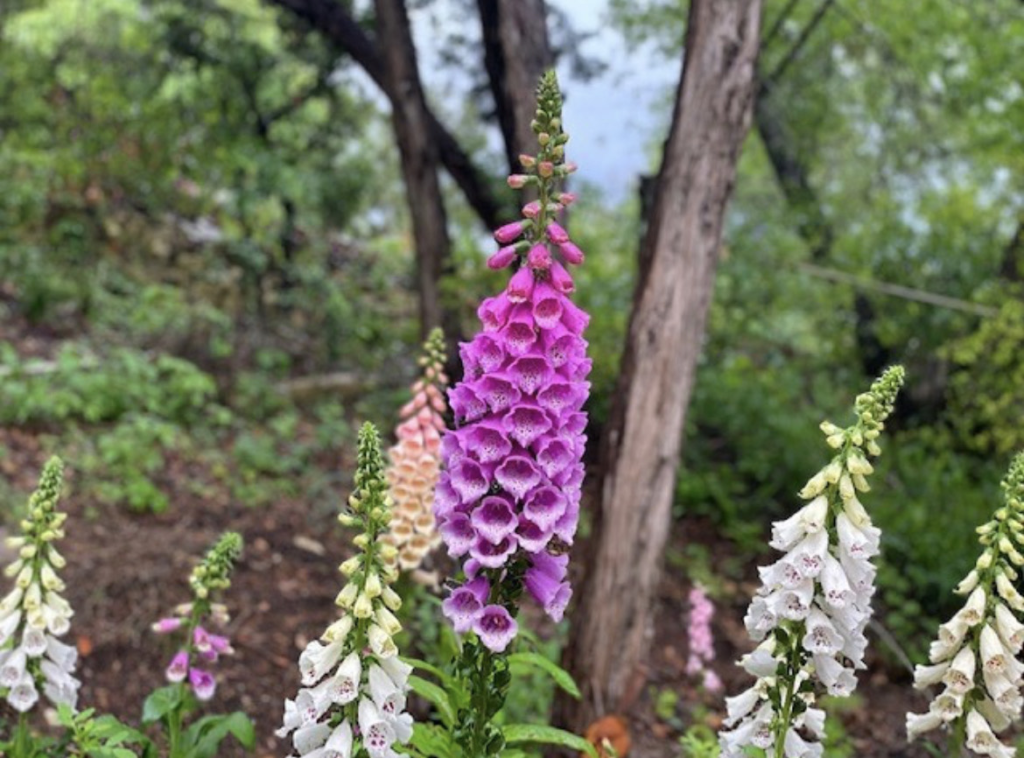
(126, 570)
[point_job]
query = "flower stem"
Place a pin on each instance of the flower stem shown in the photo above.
(22, 739)
(792, 670)
(174, 719)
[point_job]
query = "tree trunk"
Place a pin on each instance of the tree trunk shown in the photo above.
(420, 159)
(640, 449)
(516, 53)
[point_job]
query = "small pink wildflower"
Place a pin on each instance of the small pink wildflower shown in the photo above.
(702, 647)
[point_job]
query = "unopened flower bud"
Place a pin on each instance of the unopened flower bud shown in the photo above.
(373, 586)
(347, 597)
(363, 607)
(391, 599)
(539, 257)
(510, 232)
(503, 258)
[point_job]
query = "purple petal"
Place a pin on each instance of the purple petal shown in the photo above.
(494, 519)
(517, 475)
(496, 628)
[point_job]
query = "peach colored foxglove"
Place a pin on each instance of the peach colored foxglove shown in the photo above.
(415, 465)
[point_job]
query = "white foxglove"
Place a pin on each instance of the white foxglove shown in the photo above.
(815, 601)
(353, 699)
(33, 614)
(976, 653)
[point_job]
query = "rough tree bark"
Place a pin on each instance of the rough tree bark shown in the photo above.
(516, 53)
(640, 449)
(419, 159)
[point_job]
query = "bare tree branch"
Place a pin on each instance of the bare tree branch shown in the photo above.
(334, 22)
(516, 53)
(798, 46)
(1012, 266)
(777, 25)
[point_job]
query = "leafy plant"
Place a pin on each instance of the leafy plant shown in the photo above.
(92, 736)
(456, 706)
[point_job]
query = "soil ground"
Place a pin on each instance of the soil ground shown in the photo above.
(126, 570)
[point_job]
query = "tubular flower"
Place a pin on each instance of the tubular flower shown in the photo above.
(976, 657)
(814, 603)
(508, 499)
(702, 647)
(354, 685)
(199, 648)
(415, 465)
(33, 615)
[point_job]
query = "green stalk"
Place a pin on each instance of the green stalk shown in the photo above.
(792, 670)
(174, 724)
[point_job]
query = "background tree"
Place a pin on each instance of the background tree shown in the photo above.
(640, 446)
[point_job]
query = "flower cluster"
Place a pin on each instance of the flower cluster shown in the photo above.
(508, 499)
(976, 656)
(815, 601)
(354, 685)
(416, 464)
(200, 647)
(702, 645)
(33, 615)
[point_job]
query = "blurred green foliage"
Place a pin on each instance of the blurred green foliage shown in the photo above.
(199, 200)
(908, 127)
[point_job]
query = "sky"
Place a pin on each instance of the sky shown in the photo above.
(613, 120)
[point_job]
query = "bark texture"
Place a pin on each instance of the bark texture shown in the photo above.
(640, 449)
(420, 160)
(516, 53)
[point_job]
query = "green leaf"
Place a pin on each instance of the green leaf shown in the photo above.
(535, 660)
(112, 752)
(430, 668)
(547, 735)
(207, 733)
(432, 741)
(437, 696)
(160, 703)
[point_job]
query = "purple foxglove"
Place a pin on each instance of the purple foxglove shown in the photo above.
(177, 669)
(495, 627)
(509, 491)
(203, 683)
(199, 644)
(167, 625)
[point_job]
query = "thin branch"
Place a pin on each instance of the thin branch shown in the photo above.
(297, 101)
(1012, 266)
(798, 46)
(332, 20)
(898, 290)
(777, 25)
